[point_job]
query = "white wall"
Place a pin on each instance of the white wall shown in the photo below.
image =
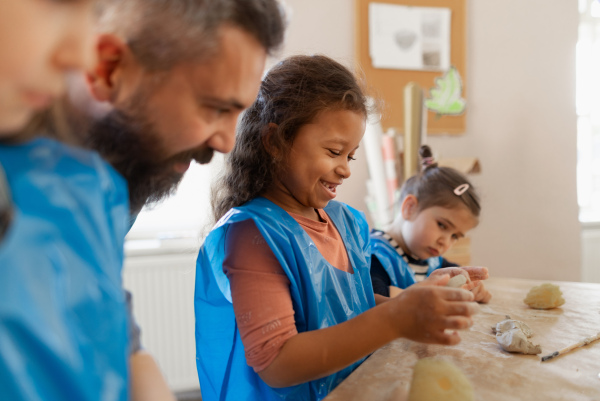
(521, 124)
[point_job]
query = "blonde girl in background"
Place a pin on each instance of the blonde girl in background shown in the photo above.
(438, 206)
(284, 303)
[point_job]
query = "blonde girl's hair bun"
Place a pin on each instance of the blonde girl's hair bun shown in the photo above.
(427, 160)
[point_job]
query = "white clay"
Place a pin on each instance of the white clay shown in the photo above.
(545, 296)
(512, 335)
(457, 281)
(437, 379)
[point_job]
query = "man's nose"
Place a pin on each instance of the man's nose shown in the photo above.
(223, 138)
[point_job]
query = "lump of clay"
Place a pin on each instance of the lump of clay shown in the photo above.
(457, 281)
(512, 335)
(438, 379)
(545, 296)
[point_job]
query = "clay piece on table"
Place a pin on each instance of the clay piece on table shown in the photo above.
(457, 281)
(513, 336)
(439, 379)
(545, 296)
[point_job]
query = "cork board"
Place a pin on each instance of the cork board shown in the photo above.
(388, 84)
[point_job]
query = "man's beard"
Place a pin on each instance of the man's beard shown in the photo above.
(133, 147)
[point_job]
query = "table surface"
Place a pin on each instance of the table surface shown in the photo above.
(494, 373)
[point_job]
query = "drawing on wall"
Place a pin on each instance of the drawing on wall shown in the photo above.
(409, 38)
(446, 97)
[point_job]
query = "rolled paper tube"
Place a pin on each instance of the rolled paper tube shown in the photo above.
(378, 187)
(388, 148)
(413, 128)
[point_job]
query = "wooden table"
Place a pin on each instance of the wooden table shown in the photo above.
(495, 373)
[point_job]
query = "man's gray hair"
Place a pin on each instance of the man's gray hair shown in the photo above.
(162, 33)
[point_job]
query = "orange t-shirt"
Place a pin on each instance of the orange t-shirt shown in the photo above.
(260, 289)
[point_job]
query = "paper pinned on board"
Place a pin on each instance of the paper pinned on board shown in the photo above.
(409, 38)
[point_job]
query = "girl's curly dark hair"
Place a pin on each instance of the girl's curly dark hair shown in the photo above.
(291, 95)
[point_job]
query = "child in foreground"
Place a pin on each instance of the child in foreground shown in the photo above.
(63, 331)
(438, 206)
(284, 303)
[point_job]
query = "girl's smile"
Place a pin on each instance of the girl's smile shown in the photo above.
(318, 162)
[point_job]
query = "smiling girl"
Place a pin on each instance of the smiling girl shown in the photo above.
(284, 303)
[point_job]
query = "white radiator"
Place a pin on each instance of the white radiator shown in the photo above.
(162, 285)
(590, 253)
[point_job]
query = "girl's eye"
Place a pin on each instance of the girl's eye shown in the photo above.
(455, 237)
(351, 158)
(441, 225)
(334, 152)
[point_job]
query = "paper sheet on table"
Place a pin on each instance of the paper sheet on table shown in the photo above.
(409, 38)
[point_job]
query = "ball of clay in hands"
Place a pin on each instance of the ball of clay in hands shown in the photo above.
(545, 296)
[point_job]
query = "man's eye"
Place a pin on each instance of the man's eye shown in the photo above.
(221, 110)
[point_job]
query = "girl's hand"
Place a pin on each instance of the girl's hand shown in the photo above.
(474, 276)
(424, 311)
(482, 295)
(473, 273)
(476, 273)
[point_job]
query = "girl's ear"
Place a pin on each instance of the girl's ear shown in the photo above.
(267, 140)
(409, 207)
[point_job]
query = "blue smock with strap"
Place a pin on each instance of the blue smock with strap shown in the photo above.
(401, 275)
(322, 296)
(63, 331)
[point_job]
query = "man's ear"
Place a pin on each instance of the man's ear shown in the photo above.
(103, 79)
(409, 207)
(267, 138)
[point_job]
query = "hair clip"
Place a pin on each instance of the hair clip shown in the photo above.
(461, 189)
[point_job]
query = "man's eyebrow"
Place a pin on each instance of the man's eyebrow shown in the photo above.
(215, 101)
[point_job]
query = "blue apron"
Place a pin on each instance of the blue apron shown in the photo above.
(401, 274)
(322, 296)
(63, 332)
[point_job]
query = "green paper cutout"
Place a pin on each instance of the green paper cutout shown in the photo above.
(445, 97)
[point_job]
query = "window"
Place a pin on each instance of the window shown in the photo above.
(588, 111)
(182, 218)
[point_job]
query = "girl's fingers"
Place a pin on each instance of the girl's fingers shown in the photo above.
(477, 272)
(447, 338)
(461, 309)
(438, 280)
(457, 294)
(470, 286)
(457, 322)
(482, 295)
